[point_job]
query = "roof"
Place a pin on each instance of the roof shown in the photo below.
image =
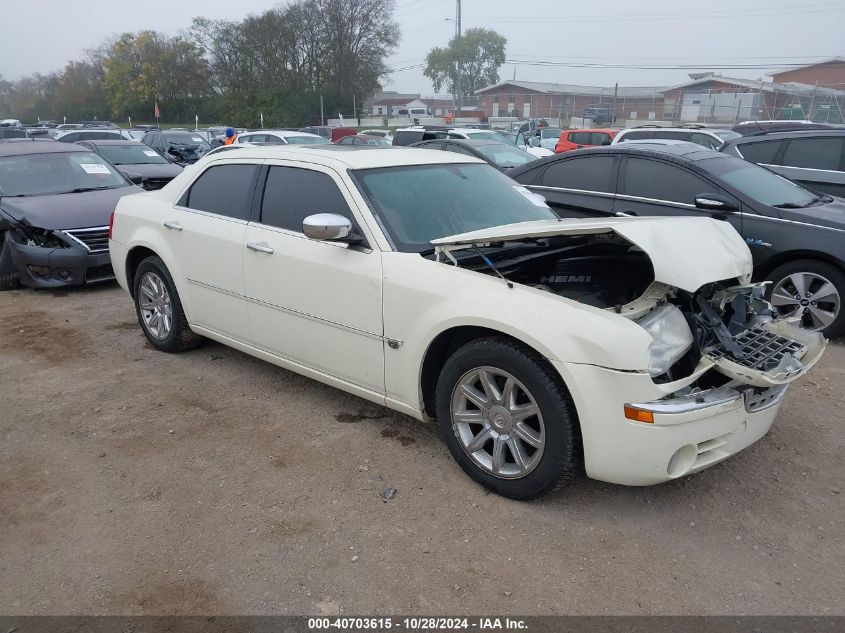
(392, 102)
(280, 133)
(22, 146)
(792, 87)
(830, 60)
(555, 88)
(775, 134)
(108, 141)
(471, 142)
(344, 156)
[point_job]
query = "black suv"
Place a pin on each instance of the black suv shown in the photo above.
(183, 148)
(797, 236)
(815, 158)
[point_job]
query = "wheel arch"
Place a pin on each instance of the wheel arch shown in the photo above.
(134, 257)
(445, 343)
(787, 256)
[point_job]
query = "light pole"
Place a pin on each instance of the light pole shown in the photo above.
(458, 99)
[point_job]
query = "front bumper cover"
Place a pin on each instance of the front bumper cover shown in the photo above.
(75, 265)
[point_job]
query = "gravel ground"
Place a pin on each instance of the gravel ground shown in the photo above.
(135, 482)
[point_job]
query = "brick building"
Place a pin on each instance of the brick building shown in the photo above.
(828, 74)
(527, 99)
(713, 98)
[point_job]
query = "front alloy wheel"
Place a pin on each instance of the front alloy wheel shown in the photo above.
(498, 422)
(507, 418)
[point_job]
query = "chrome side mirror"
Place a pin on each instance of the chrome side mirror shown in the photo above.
(326, 227)
(714, 202)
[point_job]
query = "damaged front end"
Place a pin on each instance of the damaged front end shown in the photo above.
(660, 274)
(46, 258)
(725, 335)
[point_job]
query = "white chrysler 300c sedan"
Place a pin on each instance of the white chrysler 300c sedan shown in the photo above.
(634, 348)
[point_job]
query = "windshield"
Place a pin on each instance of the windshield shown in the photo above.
(758, 183)
(307, 140)
(487, 135)
(130, 155)
(186, 138)
(726, 135)
(61, 172)
(505, 156)
(420, 203)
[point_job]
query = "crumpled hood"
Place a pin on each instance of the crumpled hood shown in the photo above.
(67, 210)
(685, 252)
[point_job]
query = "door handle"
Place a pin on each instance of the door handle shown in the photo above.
(173, 224)
(261, 247)
(625, 214)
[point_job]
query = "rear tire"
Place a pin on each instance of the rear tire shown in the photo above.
(803, 288)
(159, 308)
(9, 279)
(508, 419)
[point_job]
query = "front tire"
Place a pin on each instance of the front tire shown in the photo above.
(159, 309)
(8, 273)
(811, 290)
(507, 418)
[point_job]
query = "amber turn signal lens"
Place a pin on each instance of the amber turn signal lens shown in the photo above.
(638, 415)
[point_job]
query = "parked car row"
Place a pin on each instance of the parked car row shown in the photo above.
(632, 334)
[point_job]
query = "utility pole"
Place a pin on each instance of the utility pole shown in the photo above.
(460, 99)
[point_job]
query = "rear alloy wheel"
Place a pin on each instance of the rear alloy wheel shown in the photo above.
(507, 418)
(811, 291)
(159, 309)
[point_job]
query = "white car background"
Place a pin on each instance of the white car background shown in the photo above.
(380, 280)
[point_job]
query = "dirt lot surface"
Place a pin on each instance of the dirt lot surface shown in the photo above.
(136, 482)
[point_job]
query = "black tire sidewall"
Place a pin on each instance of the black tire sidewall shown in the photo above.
(155, 265)
(826, 270)
(560, 454)
(9, 279)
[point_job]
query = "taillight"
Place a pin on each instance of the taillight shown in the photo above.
(111, 223)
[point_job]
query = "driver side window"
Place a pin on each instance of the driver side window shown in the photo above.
(291, 194)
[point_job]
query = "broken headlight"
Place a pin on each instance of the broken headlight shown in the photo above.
(671, 337)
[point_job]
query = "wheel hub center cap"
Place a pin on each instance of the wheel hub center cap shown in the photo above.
(501, 419)
(805, 302)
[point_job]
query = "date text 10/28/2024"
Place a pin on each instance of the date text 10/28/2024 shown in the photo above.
(482, 624)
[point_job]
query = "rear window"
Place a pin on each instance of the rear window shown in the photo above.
(636, 135)
(224, 189)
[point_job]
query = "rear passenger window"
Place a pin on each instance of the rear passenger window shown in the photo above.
(763, 152)
(224, 190)
(662, 181)
(814, 153)
(588, 173)
(291, 194)
(600, 138)
(580, 138)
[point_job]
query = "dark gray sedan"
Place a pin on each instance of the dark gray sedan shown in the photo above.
(501, 155)
(55, 204)
(133, 157)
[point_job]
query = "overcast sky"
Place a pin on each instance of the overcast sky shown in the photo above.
(645, 33)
